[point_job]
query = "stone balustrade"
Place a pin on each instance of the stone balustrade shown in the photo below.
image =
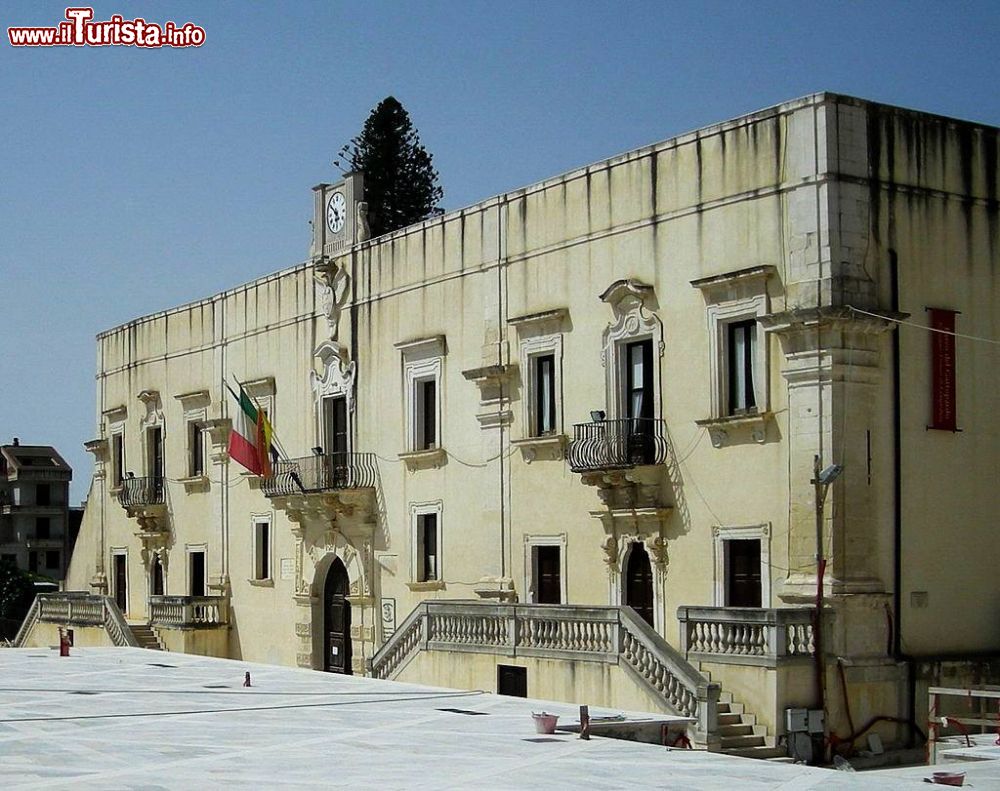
(188, 612)
(747, 635)
(612, 635)
(78, 609)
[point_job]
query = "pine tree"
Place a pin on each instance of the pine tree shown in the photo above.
(400, 182)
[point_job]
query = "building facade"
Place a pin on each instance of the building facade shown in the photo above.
(34, 508)
(683, 379)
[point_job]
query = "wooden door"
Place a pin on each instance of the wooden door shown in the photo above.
(121, 582)
(337, 621)
(548, 579)
(197, 573)
(743, 573)
(639, 583)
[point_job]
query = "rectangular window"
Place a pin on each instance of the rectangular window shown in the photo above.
(512, 680)
(8, 558)
(43, 528)
(196, 447)
(33, 562)
(196, 560)
(52, 559)
(545, 395)
(427, 547)
(43, 494)
(117, 459)
(423, 370)
(741, 341)
(262, 550)
(426, 414)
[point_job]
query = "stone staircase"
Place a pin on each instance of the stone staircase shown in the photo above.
(741, 735)
(145, 636)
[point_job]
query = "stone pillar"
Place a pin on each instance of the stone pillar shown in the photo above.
(100, 451)
(218, 432)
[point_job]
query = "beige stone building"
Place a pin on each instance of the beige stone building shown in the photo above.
(614, 387)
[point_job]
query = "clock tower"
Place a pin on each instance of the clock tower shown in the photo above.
(338, 219)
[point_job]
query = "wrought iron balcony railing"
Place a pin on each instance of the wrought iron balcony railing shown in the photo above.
(321, 474)
(141, 492)
(617, 444)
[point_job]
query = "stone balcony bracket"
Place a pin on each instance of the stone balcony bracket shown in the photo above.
(424, 459)
(551, 447)
(736, 429)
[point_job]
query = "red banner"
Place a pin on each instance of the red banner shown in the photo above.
(943, 406)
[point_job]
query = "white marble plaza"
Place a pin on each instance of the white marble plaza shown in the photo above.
(122, 718)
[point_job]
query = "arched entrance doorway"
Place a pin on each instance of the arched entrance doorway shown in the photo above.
(336, 620)
(639, 582)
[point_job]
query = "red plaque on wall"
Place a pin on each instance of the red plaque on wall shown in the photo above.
(943, 406)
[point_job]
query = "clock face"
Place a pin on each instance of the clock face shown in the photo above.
(336, 212)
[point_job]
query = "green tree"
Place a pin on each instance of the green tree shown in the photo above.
(400, 182)
(17, 592)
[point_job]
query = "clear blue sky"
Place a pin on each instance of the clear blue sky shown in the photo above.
(135, 180)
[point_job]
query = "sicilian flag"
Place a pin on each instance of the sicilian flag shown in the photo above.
(250, 438)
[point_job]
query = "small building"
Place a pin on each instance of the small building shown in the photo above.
(34, 508)
(611, 437)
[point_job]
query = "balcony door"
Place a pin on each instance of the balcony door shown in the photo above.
(640, 443)
(154, 464)
(335, 438)
(336, 620)
(639, 582)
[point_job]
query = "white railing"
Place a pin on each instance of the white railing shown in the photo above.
(78, 609)
(613, 635)
(747, 635)
(188, 611)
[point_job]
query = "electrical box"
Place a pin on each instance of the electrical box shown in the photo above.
(797, 720)
(816, 721)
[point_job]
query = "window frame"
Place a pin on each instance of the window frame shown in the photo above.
(731, 298)
(118, 458)
(423, 361)
(258, 574)
(531, 544)
(417, 512)
(723, 533)
(532, 351)
(189, 551)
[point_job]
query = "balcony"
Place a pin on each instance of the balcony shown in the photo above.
(143, 500)
(318, 474)
(747, 635)
(188, 612)
(141, 492)
(617, 444)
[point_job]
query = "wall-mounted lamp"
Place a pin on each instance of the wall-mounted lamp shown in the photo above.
(318, 450)
(597, 415)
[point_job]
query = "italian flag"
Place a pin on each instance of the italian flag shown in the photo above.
(250, 438)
